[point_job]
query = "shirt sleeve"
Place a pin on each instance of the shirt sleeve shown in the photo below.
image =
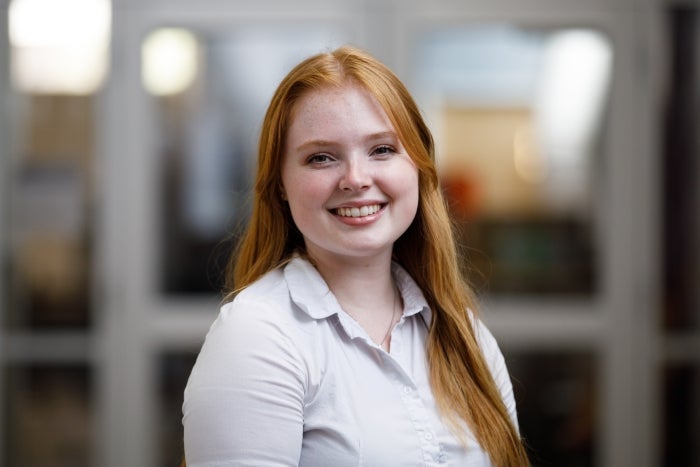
(243, 404)
(497, 364)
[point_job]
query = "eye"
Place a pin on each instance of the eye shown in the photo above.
(319, 159)
(383, 150)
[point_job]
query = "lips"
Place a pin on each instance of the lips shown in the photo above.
(361, 211)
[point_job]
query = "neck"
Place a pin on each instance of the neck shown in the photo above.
(357, 282)
(365, 289)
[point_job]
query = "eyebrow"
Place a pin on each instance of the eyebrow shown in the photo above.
(320, 143)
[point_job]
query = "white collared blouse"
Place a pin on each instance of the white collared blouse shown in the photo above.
(285, 377)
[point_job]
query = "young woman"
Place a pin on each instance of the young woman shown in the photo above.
(349, 336)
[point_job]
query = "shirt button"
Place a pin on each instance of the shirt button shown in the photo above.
(428, 436)
(406, 390)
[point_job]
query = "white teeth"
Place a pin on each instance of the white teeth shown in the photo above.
(358, 212)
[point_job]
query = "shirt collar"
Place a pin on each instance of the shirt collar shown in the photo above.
(308, 290)
(414, 301)
(311, 294)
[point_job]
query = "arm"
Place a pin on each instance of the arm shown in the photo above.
(244, 400)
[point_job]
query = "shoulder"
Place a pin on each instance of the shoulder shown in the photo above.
(490, 349)
(489, 346)
(259, 325)
(260, 309)
(269, 288)
(485, 338)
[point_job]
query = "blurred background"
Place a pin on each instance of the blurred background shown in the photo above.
(567, 146)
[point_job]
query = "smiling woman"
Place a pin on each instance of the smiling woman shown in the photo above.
(349, 335)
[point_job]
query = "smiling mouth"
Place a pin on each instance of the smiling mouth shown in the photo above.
(358, 212)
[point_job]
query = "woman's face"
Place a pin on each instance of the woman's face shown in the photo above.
(351, 187)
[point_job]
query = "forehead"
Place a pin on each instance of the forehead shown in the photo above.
(342, 105)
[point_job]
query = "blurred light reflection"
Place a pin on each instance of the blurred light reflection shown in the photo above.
(569, 106)
(59, 47)
(169, 61)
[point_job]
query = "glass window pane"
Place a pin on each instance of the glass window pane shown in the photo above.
(51, 208)
(174, 370)
(208, 121)
(518, 116)
(556, 396)
(48, 416)
(682, 415)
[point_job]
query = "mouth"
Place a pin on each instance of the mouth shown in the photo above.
(362, 211)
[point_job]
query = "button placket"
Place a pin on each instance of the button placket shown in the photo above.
(410, 396)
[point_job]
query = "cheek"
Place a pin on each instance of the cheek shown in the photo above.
(305, 196)
(292, 185)
(304, 189)
(411, 188)
(405, 190)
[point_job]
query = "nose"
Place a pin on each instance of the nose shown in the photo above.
(356, 175)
